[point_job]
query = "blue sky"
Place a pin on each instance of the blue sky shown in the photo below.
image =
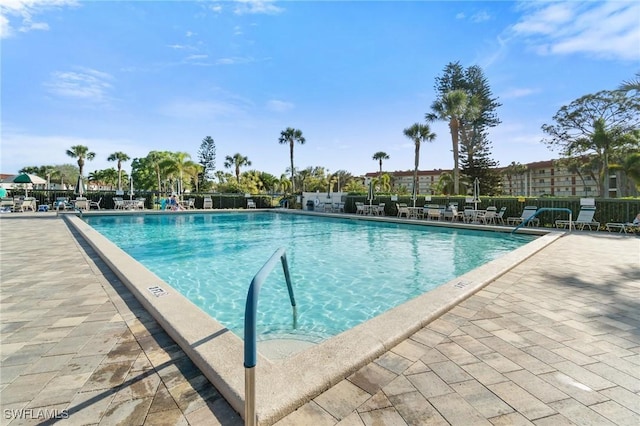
(136, 76)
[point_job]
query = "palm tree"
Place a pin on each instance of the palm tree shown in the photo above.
(452, 107)
(379, 156)
(418, 133)
(633, 84)
(81, 152)
(236, 161)
(291, 136)
(119, 157)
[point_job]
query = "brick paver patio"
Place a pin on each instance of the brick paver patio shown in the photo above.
(554, 341)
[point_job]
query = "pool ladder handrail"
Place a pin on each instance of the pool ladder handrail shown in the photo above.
(544, 209)
(250, 343)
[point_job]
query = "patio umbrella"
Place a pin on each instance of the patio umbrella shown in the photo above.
(476, 193)
(131, 187)
(414, 194)
(27, 178)
(79, 189)
(370, 194)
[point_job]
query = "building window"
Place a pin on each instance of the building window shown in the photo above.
(541, 181)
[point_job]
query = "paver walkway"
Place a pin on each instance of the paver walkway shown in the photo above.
(555, 341)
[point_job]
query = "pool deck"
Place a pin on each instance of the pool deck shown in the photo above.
(555, 340)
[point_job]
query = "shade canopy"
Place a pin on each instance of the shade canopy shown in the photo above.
(28, 178)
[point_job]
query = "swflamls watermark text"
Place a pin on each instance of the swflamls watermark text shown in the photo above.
(35, 413)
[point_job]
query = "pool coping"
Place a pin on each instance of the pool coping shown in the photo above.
(286, 384)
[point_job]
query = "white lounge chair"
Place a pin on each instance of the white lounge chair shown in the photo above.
(527, 213)
(95, 204)
(584, 219)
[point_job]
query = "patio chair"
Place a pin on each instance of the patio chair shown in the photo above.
(208, 203)
(584, 219)
(380, 209)
(251, 204)
(190, 204)
(118, 203)
(359, 208)
(29, 203)
(403, 209)
(451, 213)
(500, 215)
(489, 216)
(527, 213)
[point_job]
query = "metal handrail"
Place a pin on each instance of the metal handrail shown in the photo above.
(250, 343)
(544, 209)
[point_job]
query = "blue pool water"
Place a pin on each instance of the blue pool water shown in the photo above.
(344, 272)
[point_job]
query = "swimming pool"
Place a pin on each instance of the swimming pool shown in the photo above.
(344, 272)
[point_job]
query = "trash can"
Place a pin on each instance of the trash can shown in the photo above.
(310, 205)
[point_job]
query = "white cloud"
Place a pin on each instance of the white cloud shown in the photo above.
(234, 60)
(194, 57)
(190, 34)
(256, 7)
(87, 84)
(23, 11)
(279, 106)
(607, 30)
(518, 93)
(477, 17)
(481, 16)
(216, 8)
(181, 47)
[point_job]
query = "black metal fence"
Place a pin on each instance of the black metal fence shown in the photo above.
(607, 210)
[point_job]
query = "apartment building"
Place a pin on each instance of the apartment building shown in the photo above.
(547, 178)
(541, 178)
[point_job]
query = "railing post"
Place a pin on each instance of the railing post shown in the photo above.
(250, 340)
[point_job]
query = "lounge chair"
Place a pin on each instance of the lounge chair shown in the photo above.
(626, 227)
(95, 204)
(527, 213)
(6, 204)
(207, 203)
(585, 219)
(62, 203)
